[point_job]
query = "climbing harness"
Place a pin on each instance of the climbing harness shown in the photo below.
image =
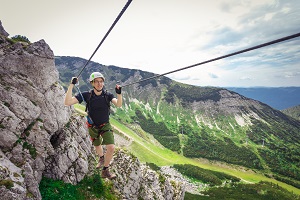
(97, 132)
(112, 26)
(90, 123)
(218, 58)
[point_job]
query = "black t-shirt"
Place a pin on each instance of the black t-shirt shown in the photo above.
(98, 106)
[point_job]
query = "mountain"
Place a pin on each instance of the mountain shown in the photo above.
(41, 140)
(44, 141)
(201, 122)
(293, 112)
(277, 97)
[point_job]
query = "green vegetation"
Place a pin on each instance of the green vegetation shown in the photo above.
(147, 151)
(91, 187)
(7, 183)
(213, 178)
(193, 121)
(153, 166)
(206, 146)
(57, 189)
(20, 38)
(31, 148)
(288, 180)
(283, 166)
(27, 130)
(259, 191)
(293, 112)
(23, 140)
(282, 150)
(7, 104)
(194, 94)
(159, 130)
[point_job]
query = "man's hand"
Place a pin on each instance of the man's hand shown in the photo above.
(118, 89)
(74, 80)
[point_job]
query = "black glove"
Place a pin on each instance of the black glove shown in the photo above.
(118, 89)
(74, 80)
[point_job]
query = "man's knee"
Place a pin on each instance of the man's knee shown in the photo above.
(110, 147)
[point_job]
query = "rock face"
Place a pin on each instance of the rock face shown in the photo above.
(137, 181)
(33, 132)
(39, 136)
(2, 31)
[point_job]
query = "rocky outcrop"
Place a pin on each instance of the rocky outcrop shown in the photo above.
(39, 136)
(2, 31)
(137, 181)
(34, 139)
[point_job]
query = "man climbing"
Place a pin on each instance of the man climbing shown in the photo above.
(98, 109)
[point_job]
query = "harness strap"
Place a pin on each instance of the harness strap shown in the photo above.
(94, 126)
(100, 132)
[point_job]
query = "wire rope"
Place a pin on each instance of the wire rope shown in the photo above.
(107, 33)
(218, 58)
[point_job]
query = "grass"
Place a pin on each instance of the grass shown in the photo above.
(80, 109)
(91, 187)
(146, 151)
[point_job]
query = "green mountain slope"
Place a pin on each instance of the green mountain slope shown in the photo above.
(202, 122)
(293, 112)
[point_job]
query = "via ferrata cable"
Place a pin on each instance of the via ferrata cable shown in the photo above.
(221, 57)
(107, 33)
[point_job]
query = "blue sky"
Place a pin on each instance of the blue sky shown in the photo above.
(163, 35)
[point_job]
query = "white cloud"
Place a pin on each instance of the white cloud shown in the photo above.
(213, 75)
(160, 36)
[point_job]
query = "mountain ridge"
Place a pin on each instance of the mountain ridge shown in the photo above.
(216, 123)
(41, 137)
(293, 112)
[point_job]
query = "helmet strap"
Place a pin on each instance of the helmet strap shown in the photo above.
(98, 90)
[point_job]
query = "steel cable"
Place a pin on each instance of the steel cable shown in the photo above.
(107, 33)
(221, 57)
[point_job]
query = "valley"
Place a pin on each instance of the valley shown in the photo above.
(148, 151)
(171, 123)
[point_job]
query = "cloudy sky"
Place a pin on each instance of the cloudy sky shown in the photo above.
(163, 35)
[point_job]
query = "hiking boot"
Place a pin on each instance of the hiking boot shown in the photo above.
(107, 174)
(100, 162)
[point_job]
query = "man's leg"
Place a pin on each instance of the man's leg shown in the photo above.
(99, 151)
(108, 157)
(110, 148)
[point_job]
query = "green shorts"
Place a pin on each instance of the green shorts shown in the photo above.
(106, 138)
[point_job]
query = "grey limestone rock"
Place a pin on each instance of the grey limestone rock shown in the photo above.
(39, 136)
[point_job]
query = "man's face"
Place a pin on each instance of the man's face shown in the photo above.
(98, 83)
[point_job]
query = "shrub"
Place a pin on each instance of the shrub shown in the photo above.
(160, 132)
(259, 191)
(7, 183)
(204, 175)
(20, 38)
(153, 166)
(91, 187)
(57, 189)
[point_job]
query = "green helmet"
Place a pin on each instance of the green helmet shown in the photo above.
(96, 75)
